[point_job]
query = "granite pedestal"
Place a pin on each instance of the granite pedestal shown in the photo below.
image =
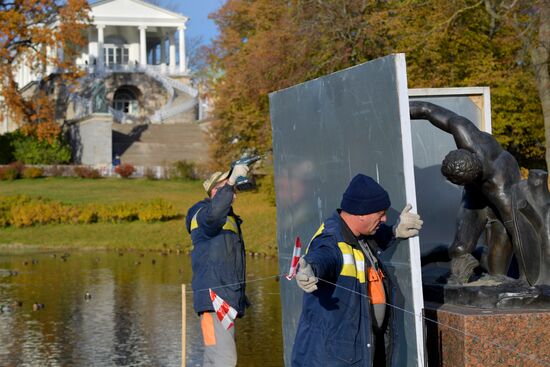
(470, 337)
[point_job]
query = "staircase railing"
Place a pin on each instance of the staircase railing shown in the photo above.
(168, 110)
(172, 82)
(162, 80)
(164, 114)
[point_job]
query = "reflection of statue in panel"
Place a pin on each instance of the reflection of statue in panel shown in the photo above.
(515, 213)
(292, 187)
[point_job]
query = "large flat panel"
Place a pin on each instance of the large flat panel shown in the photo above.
(439, 200)
(326, 131)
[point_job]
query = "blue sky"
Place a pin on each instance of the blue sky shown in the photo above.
(197, 10)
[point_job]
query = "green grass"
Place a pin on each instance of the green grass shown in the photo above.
(258, 215)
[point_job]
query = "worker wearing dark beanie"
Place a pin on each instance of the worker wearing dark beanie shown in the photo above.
(364, 196)
(344, 254)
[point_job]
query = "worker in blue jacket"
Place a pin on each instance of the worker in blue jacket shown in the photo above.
(345, 318)
(218, 261)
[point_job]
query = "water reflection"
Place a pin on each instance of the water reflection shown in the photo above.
(132, 316)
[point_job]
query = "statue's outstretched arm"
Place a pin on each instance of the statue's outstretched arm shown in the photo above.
(465, 133)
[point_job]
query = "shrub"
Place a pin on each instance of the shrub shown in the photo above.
(6, 203)
(32, 172)
(87, 214)
(38, 212)
(125, 170)
(86, 172)
(55, 171)
(119, 212)
(18, 166)
(23, 211)
(30, 150)
(8, 173)
(157, 210)
(184, 170)
(4, 219)
(150, 174)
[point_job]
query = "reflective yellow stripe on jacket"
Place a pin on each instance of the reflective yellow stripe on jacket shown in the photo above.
(230, 223)
(354, 260)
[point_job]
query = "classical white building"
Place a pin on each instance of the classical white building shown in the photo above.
(136, 72)
(128, 33)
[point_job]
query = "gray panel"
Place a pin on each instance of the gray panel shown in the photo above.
(324, 132)
(437, 199)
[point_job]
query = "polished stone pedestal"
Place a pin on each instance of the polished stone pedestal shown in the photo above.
(486, 337)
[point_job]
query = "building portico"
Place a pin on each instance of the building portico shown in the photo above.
(127, 34)
(135, 67)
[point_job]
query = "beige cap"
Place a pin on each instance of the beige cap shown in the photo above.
(214, 179)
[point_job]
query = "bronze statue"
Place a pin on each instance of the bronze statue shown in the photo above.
(99, 101)
(514, 213)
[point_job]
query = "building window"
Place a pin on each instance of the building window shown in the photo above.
(125, 100)
(115, 55)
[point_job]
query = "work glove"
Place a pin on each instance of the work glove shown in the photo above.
(409, 224)
(305, 277)
(240, 170)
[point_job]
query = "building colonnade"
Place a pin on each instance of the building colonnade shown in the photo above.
(98, 53)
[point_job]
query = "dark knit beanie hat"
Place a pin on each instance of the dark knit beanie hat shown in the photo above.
(364, 196)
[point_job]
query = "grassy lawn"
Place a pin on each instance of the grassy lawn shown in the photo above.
(258, 215)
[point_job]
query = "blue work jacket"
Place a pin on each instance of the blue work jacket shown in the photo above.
(335, 328)
(218, 255)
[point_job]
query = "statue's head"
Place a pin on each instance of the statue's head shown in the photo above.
(461, 167)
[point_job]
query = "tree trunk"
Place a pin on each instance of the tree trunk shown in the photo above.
(539, 60)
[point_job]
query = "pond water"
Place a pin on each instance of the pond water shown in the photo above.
(132, 316)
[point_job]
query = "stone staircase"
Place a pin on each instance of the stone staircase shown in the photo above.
(160, 144)
(187, 116)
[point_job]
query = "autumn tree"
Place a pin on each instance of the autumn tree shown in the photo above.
(457, 44)
(530, 20)
(35, 33)
(241, 87)
(267, 45)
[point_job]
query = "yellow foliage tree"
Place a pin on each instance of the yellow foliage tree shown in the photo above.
(267, 45)
(31, 32)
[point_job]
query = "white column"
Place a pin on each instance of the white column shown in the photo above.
(142, 45)
(90, 56)
(183, 66)
(49, 63)
(100, 51)
(26, 75)
(172, 51)
(162, 48)
(60, 52)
